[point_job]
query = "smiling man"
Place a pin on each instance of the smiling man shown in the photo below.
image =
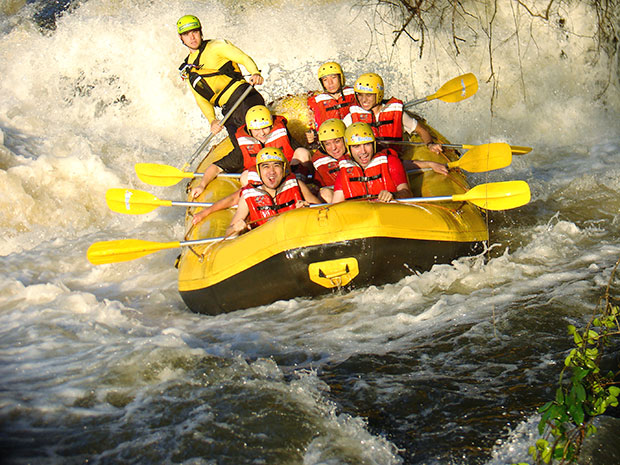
(278, 192)
(366, 175)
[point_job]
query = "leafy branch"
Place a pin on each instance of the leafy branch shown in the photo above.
(567, 420)
(466, 21)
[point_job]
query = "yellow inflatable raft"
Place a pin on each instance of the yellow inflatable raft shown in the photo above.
(314, 251)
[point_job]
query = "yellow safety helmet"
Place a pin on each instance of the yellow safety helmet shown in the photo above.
(370, 83)
(188, 23)
(258, 117)
(331, 129)
(331, 67)
(269, 154)
(359, 134)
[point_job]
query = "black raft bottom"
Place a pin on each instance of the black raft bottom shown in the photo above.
(285, 276)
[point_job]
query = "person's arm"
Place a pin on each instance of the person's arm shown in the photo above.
(403, 191)
(209, 175)
(411, 125)
(436, 167)
(236, 55)
(338, 196)
(305, 191)
(237, 223)
(205, 106)
(399, 178)
(338, 192)
(222, 204)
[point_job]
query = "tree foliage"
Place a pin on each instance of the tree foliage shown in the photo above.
(584, 391)
(462, 22)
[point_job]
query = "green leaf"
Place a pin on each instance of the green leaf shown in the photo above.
(579, 373)
(545, 450)
(577, 414)
(545, 407)
(559, 395)
(558, 452)
(614, 390)
(581, 392)
(591, 364)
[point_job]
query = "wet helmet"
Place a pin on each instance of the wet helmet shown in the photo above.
(269, 154)
(359, 134)
(258, 117)
(331, 129)
(331, 67)
(370, 83)
(188, 23)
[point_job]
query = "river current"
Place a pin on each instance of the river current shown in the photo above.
(105, 364)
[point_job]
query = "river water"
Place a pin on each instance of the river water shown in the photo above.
(106, 364)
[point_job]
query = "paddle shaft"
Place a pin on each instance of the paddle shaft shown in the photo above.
(105, 252)
(174, 203)
(201, 241)
(406, 142)
(414, 102)
(226, 116)
(516, 149)
(220, 175)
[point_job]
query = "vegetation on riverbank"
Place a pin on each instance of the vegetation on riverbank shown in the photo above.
(585, 389)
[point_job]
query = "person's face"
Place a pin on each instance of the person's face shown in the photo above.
(366, 101)
(271, 173)
(261, 134)
(363, 153)
(335, 147)
(331, 82)
(192, 39)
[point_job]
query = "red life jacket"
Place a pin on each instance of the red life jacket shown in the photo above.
(262, 206)
(253, 177)
(359, 183)
(389, 125)
(278, 137)
(326, 106)
(325, 168)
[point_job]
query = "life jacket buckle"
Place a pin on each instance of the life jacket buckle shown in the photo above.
(186, 68)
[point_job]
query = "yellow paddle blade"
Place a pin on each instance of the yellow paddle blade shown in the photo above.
(160, 175)
(457, 89)
(101, 253)
(133, 202)
(485, 157)
(520, 150)
(497, 195)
